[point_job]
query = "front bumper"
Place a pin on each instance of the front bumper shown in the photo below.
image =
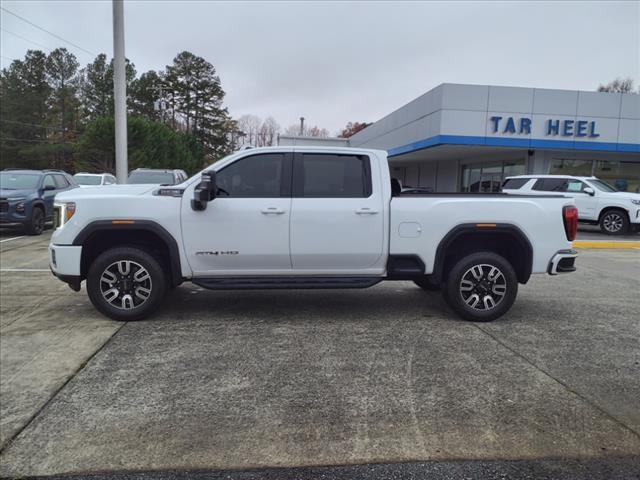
(562, 262)
(10, 219)
(64, 261)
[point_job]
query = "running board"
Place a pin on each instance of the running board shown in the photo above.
(254, 283)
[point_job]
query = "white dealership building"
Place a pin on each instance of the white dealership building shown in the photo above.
(469, 137)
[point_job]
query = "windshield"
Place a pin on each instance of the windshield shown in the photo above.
(151, 178)
(602, 186)
(87, 179)
(18, 181)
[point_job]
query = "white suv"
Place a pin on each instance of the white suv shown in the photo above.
(597, 201)
(94, 179)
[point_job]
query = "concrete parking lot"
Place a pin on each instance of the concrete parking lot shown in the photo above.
(232, 381)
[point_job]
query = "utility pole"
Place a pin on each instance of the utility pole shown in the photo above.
(120, 92)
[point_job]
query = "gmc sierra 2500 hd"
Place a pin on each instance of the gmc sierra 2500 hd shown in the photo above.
(305, 217)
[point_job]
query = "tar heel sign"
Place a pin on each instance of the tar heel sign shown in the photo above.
(552, 127)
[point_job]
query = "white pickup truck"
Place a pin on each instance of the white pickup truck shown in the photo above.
(305, 217)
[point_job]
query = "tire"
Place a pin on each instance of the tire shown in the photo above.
(126, 284)
(426, 284)
(614, 222)
(473, 285)
(35, 225)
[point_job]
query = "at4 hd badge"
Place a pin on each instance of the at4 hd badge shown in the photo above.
(224, 252)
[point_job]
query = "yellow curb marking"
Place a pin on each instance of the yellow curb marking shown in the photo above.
(605, 244)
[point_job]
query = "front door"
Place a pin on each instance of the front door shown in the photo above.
(337, 218)
(245, 230)
(585, 203)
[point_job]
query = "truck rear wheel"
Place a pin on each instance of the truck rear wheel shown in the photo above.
(126, 283)
(481, 287)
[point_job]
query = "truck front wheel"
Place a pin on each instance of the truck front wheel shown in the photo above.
(481, 287)
(126, 283)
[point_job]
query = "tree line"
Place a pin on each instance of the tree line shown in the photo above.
(55, 114)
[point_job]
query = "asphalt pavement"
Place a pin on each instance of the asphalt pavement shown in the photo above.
(377, 383)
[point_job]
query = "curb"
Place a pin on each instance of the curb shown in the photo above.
(621, 244)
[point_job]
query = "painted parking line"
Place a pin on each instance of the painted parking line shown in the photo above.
(13, 238)
(620, 244)
(25, 270)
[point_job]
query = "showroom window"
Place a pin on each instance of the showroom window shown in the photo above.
(487, 177)
(623, 176)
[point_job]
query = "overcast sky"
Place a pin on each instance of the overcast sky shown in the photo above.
(334, 62)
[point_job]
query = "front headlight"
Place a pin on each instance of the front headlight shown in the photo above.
(635, 202)
(62, 213)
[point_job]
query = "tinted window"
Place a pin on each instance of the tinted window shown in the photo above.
(61, 182)
(49, 181)
(152, 178)
(551, 185)
(257, 176)
(333, 176)
(18, 181)
(514, 183)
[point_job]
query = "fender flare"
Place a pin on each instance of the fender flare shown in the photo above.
(502, 228)
(146, 225)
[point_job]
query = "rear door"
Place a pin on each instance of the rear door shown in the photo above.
(49, 190)
(337, 216)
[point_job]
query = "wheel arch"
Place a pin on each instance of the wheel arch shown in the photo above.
(100, 235)
(608, 208)
(39, 204)
(504, 239)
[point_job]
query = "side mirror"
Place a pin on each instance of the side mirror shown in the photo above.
(47, 188)
(589, 191)
(205, 191)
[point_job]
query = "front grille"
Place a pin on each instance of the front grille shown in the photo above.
(57, 216)
(4, 206)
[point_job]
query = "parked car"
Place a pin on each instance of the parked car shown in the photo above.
(152, 176)
(306, 217)
(26, 197)
(94, 179)
(598, 202)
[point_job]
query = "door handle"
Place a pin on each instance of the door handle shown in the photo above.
(366, 211)
(272, 211)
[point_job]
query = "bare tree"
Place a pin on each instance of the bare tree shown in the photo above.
(250, 126)
(619, 85)
(315, 131)
(268, 132)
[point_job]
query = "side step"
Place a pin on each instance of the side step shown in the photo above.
(253, 283)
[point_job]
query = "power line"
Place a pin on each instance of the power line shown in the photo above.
(24, 38)
(9, 139)
(26, 124)
(7, 58)
(47, 31)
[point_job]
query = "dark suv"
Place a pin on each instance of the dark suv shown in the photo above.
(26, 197)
